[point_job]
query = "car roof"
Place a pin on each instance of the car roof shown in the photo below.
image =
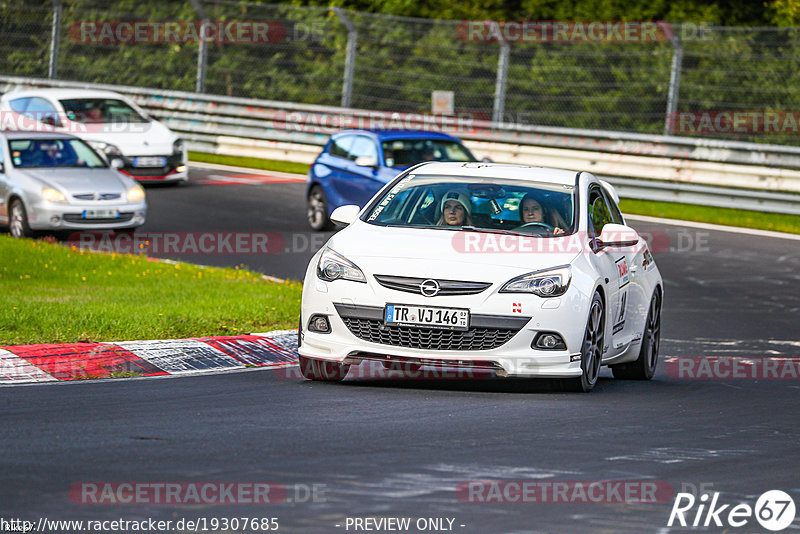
(15, 134)
(499, 170)
(387, 135)
(62, 93)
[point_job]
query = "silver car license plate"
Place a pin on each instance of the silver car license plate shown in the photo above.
(427, 316)
(100, 214)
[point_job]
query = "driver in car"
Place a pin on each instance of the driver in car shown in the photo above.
(532, 210)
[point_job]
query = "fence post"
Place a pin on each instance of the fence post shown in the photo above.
(55, 40)
(674, 83)
(502, 81)
(350, 58)
(202, 49)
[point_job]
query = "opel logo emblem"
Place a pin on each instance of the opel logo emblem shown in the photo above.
(429, 288)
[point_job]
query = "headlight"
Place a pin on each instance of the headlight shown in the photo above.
(333, 266)
(177, 146)
(53, 195)
(107, 148)
(547, 283)
(136, 194)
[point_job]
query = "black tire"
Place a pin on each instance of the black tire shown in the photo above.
(323, 371)
(591, 348)
(18, 220)
(317, 210)
(645, 366)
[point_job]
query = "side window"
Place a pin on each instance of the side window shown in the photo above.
(340, 147)
(363, 146)
(42, 110)
(19, 104)
(616, 216)
(599, 214)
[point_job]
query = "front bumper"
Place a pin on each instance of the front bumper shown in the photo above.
(54, 216)
(175, 170)
(501, 341)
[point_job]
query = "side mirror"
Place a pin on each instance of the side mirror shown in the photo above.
(617, 236)
(366, 161)
(2, 168)
(345, 215)
(117, 163)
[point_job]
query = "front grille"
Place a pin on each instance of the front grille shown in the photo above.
(98, 196)
(446, 287)
(374, 331)
(149, 172)
(78, 218)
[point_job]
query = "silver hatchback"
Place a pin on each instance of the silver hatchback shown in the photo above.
(56, 182)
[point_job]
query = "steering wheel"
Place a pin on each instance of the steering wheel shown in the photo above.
(545, 226)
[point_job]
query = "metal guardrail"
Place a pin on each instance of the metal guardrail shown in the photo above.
(688, 170)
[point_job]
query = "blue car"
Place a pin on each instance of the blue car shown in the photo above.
(355, 164)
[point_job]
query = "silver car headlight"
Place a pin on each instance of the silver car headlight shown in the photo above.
(136, 193)
(333, 266)
(546, 283)
(106, 148)
(53, 195)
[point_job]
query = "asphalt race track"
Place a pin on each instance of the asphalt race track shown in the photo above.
(403, 448)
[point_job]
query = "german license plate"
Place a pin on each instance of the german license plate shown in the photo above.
(100, 214)
(427, 316)
(149, 161)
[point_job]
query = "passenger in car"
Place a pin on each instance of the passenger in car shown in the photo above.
(456, 208)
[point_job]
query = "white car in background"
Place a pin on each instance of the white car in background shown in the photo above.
(111, 124)
(525, 271)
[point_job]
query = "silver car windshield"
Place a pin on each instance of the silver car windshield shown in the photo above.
(33, 153)
(481, 204)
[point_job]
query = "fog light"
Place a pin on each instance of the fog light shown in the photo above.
(180, 168)
(548, 341)
(55, 219)
(320, 324)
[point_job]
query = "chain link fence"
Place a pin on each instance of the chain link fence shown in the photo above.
(689, 82)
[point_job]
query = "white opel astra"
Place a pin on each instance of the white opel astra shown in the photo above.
(523, 271)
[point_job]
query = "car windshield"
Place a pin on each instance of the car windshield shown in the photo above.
(482, 204)
(100, 110)
(407, 152)
(28, 153)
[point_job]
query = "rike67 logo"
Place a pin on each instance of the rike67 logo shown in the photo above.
(774, 510)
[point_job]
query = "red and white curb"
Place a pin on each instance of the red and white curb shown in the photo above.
(80, 361)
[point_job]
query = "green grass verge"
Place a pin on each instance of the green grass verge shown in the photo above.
(54, 294)
(253, 163)
(777, 222)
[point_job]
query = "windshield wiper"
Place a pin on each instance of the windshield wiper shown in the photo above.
(496, 231)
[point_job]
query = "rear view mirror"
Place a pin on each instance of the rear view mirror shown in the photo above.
(617, 236)
(117, 163)
(345, 215)
(366, 161)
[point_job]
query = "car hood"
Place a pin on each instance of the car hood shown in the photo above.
(79, 180)
(138, 139)
(450, 254)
